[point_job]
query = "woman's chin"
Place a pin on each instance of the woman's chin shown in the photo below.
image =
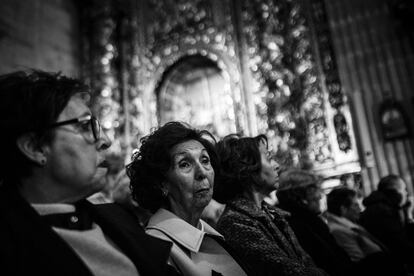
(203, 201)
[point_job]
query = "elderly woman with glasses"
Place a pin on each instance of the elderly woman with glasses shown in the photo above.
(257, 231)
(54, 153)
(172, 175)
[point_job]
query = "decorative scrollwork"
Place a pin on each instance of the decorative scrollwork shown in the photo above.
(186, 28)
(127, 53)
(102, 56)
(337, 98)
(289, 98)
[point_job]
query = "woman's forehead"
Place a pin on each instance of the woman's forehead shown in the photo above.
(76, 107)
(187, 146)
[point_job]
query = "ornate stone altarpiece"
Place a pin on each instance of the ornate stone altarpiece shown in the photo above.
(276, 56)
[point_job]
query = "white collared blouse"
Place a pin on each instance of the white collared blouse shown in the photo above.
(195, 251)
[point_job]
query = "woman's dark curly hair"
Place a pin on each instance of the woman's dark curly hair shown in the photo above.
(240, 166)
(150, 164)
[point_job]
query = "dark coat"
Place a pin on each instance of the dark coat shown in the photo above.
(267, 244)
(28, 246)
(384, 219)
(314, 236)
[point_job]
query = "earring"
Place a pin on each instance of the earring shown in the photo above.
(164, 192)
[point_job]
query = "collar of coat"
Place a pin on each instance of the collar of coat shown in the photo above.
(248, 207)
(342, 221)
(181, 231)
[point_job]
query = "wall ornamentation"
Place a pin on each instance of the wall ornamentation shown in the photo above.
(188, 28)
(276, 56)
(337, 98)
(289, 99)
(101, 70)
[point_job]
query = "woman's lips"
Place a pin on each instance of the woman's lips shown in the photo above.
(203, 190)
(103, 164)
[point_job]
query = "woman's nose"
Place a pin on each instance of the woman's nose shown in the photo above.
(103, 142)
(200, 172)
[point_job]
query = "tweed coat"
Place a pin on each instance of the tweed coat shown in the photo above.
(264, 239)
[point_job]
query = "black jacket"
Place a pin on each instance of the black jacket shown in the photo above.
(28, 246)
(314, 236)
(384, 219)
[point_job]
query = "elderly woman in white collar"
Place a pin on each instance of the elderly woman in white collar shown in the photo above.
(173, 175)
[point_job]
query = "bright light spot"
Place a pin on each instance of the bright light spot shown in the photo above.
(286, 90)
(279, 82)
(105, 61)
(272, 46)
(156, 60)
(106, 92)
(279, 118)
(107, 124)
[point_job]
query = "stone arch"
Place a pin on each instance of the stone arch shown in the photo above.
(224, 62)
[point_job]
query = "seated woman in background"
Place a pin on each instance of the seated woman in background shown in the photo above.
(173, 175)
(300, 194)
(257, 231)
(343, 214)
(368, 253)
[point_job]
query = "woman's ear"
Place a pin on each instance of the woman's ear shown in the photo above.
(28, 144)
(342, 210)
(164, 189)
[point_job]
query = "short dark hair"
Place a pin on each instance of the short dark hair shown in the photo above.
(29, 102)
(240, 165)
(294, 185)
(150, 164)
(340, 197)
(388, 182)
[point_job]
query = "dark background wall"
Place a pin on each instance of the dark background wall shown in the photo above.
(373, 43)
(39, 34)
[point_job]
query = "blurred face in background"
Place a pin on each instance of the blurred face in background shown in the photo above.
(401, 188)
(352, 211)
(269, 173)
(314, 199)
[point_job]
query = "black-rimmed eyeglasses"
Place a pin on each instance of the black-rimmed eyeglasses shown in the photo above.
(87, 121)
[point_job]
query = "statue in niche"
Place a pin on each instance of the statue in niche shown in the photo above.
(194, 90)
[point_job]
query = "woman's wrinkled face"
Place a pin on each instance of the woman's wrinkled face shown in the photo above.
(269, 173)
(75, 161)
(190, 179)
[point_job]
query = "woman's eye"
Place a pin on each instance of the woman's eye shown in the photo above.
(205, 160)
(85, 125)
(183, 165)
